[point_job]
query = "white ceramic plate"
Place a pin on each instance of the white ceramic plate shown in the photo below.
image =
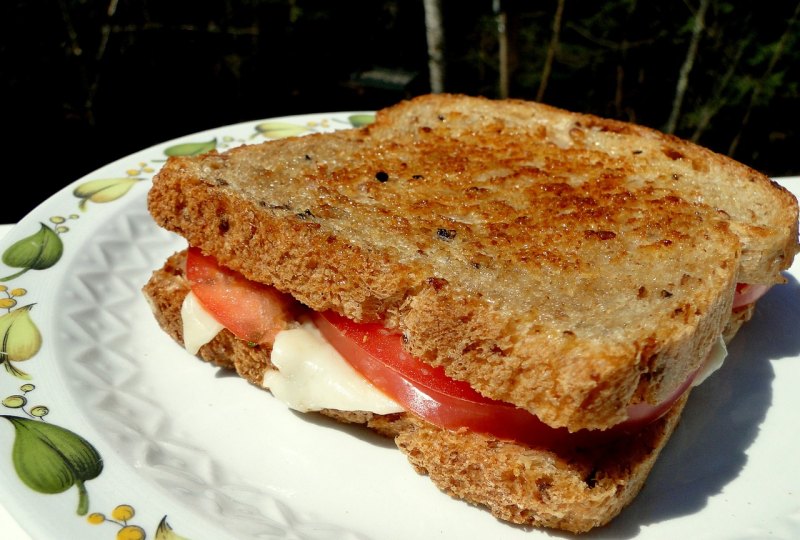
(164, 445)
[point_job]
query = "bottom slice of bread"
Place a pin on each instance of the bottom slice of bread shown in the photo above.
(572, 489)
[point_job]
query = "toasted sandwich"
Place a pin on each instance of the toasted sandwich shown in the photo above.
(520, 296)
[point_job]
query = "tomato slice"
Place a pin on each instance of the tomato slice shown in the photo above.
(256, 313)
(748, 293)
(251, 311)
(425, 390)
(428, 392)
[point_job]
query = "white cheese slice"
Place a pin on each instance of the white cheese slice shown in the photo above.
(312, 375)
(713, 362)
(199, 326)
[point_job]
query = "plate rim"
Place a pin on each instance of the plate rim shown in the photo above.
(105, 210)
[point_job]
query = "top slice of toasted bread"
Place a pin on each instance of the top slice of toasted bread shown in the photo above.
(558, 261)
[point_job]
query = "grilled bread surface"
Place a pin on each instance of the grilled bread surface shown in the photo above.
(574, 489)
(564, 263)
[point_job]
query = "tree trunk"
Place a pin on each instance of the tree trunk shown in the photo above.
(435, 35)
(502, 47)
(551, 50)
(686, 68)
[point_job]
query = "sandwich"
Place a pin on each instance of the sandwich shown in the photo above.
(520, 296)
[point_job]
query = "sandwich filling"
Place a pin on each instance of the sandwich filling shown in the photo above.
(330, 362)
(311, 375)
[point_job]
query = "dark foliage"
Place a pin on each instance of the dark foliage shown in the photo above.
(85, 82)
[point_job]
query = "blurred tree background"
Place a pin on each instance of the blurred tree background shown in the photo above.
(84, 82)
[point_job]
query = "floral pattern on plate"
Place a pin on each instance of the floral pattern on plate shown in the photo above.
(48, 458)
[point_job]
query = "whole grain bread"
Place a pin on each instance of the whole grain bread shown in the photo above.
(571, 488)
(568, 264)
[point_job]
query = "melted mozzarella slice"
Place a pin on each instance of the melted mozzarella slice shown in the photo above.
(311, 375)
(713, 362)
(199, 326)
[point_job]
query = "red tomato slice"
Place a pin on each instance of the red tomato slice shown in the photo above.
(256, 313)
(747, 294)
(422, 389)
(251, 311)
(428, 392)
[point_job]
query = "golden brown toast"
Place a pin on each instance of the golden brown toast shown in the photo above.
(564, 263)
(569, 488)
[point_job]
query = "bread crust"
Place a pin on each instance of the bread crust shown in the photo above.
(564, 263)
(573, 489)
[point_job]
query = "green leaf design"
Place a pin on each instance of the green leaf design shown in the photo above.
(191, 149)
(103, 190)
(360, 120)
(165, 532)
(20, 339)
(50, 459)
(280, 130)
(38, 251)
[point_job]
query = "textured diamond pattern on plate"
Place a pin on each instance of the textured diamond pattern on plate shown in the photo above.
(97, 305)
